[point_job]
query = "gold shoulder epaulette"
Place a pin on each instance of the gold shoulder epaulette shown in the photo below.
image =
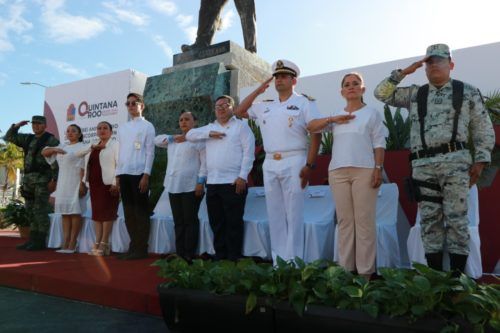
(312, 99)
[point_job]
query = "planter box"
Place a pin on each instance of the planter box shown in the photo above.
(200, 311)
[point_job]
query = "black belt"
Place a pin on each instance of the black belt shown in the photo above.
(442, 149)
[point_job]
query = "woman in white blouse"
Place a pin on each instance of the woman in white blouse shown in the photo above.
(355, 175)
(184, 182)
(70, 188)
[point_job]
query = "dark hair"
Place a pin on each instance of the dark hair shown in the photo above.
(80, 139)
(187, 111)
(229, 98)
(138, 97)
(107, 123)
(360, 78)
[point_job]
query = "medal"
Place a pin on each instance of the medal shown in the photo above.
(290, 121)
(137, 145)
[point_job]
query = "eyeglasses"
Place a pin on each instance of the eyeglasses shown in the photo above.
(133, 103)
(222, 106)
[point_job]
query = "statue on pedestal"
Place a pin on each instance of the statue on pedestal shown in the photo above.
(209, 20)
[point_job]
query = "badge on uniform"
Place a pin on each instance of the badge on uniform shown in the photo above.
(292, 107)
(290, 121)
(137, 145)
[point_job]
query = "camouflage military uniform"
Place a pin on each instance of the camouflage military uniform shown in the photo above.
(450, 170)
(34, 186)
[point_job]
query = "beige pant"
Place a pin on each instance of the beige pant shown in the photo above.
(356, 202)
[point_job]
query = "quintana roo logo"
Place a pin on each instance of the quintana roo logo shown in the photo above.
(83, 109)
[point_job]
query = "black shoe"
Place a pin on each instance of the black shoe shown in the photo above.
(38, 242)
(435, 260)
(25, 245)
(122, 256)
(457, 264)
(136, 256)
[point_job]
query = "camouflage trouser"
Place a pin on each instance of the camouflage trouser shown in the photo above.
(445, 223)
(36, 198)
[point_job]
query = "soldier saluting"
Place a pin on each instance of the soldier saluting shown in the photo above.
(443, 113)
(37, 176)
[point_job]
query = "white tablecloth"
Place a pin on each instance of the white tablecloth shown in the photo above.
(474, 267)
(318, 217)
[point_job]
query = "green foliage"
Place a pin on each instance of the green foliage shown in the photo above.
(492, 103)
(326, 143)
(413, 294)
(399, 129)
(14, 214)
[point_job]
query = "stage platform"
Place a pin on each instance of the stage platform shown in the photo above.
(128, 285)
(123, 284)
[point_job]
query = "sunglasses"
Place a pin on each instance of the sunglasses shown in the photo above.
(133, 103)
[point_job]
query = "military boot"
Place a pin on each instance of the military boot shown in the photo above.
(38, 243)
(457, 264)
(435, 260)
(25, 245)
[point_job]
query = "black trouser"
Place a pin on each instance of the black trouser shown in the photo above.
(136, 209)
(185, 208)
(225, 213)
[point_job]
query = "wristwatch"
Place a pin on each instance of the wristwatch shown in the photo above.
(379, 166)
(311, 165)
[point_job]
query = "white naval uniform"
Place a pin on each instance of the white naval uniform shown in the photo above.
(283, 127)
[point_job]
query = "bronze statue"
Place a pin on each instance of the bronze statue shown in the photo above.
(209, 20)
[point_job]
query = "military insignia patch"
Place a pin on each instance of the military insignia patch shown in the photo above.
(279, 64)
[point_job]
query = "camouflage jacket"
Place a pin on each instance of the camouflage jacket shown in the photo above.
(438, 126)
(28, 142)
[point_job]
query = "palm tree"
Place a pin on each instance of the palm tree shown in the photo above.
(11, 159)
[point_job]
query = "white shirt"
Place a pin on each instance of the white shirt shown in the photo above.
(353, 142)
(137, 149)
(284, 124)
(186, 162)
(230, 157)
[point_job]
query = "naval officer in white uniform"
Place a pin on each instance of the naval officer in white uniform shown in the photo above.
(288, 163)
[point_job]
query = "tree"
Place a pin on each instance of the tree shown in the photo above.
(11, 159)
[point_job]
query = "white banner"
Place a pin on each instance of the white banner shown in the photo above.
(90, 101)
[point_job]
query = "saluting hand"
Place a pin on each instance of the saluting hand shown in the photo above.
(413, 67)
(263, 87)
(21, 123)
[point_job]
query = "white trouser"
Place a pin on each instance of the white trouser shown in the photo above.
(285, 205)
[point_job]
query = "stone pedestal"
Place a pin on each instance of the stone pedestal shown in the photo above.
(193, 83)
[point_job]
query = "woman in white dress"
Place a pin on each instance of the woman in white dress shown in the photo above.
(69, 185)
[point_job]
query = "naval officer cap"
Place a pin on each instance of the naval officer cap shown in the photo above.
(39, 120)
(438, 50)
(284, 66)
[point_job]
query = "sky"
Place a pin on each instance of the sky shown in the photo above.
(52, 42)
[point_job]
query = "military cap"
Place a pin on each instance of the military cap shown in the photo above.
(285, 67)
(39, 119)
(438, 50)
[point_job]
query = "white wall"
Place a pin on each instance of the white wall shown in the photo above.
(477, 65)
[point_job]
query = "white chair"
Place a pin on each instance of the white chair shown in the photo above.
(319, 229)
(119, 238)
(386, 217)
(473, 268)
(162, 234)
(257, 241)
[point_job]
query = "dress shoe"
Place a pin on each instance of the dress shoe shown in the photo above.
(136, 256)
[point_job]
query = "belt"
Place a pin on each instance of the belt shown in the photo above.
(442, 149)
(279, 156)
